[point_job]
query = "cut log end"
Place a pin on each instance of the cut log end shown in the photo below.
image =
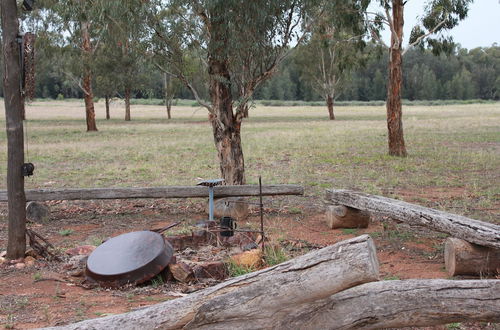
(340, 216)
(464, 258)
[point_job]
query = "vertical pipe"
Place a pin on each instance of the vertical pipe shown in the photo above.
(210, 203)
(261, 214)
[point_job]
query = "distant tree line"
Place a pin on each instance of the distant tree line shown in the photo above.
(464, 74)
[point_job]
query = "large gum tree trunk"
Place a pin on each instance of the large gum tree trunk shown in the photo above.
(329, 104)
(167, 80)
(16, 246)
(127, 103)
(394, 112)
(226, 127)
(87, 80)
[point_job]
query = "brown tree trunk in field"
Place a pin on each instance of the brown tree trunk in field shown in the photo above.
(168, 98)
(127, 103)
(329, 104)
(394, 111)
(87, 80)
(16, 246)
(106, 98)
(226, 127)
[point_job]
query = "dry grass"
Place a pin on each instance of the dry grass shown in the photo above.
(452, 149)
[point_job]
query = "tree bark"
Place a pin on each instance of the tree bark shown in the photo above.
(261, 299)
(397, 304)
(168, 97)
(464, 258)
(478, 232)
(106, 98)
(87, 79)
(158, 192)
(225, 125)
(394, 87)
(329, 104)
(127, 103)
(16, 246)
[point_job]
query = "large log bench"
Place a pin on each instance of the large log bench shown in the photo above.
(474, 248)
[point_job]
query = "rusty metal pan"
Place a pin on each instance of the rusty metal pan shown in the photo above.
(130, 258)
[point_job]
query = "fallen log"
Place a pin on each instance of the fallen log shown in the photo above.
(464, 258)
(474, 231)
(261, 299)
(396, 304)
(156, 192)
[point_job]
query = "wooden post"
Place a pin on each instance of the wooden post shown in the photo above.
(464, 258)
(339, 216)
(16, 246)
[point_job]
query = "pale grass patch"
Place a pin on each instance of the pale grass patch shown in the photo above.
(449, 146)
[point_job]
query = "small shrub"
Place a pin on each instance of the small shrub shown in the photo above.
(274, 254)
(349, 231)
(235, 270)
(65, 232)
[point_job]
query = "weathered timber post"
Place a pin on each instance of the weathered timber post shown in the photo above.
(464, 258)
(16, 246)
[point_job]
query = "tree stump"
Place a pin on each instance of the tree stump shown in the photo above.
(340, 216)
(37, 212)
(464, 258)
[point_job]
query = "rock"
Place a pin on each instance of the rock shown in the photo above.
(2, 260)
(248, 259)
(78, 261)
(30, 261)
(3, 254)
(84, 250)
(234, 207)
(37, 212)
(20, 265)
(181, 272)
(213, 269)
(31, 253)
(250, 246)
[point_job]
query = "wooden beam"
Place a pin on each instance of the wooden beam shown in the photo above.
(259, 300)
(474, 231)
(157, 192)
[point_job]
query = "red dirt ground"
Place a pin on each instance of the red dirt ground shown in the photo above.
(46, 295)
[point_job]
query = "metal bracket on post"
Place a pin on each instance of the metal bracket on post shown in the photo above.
(211, 184)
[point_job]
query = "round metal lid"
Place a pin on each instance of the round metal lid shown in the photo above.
(129, 258)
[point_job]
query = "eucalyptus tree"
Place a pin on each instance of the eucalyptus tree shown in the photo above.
(83, 24)
(439, 15)
(241, 43)
(333, 48)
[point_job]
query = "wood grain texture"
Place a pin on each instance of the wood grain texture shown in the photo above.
(396, 304)
(261, 299)
(157, 192)
(464, 258)
(474, 231)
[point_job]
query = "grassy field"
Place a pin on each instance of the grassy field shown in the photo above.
(453, 163)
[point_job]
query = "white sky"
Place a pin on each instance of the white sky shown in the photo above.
(481, 28)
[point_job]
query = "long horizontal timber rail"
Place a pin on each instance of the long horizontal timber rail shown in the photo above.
(156, 192)
(474, 231)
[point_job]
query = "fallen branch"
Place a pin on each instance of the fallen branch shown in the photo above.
(40, 248)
